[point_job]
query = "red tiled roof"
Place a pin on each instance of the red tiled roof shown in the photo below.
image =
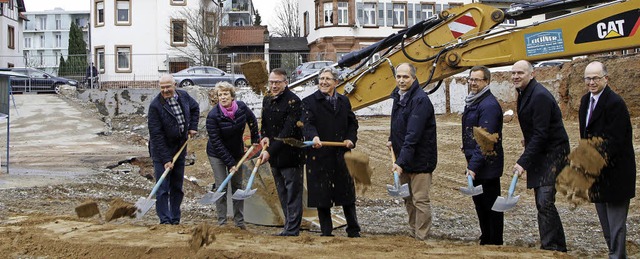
(242, 36)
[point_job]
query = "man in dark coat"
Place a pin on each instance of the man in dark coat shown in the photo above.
(413, 139)
(281, 110)
(604, 114)
(546, 145)
(327, 116)
(173, 115)
(484, 164)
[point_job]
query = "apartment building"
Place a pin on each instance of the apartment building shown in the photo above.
(139, 40)
(46, 36)
(11, 20)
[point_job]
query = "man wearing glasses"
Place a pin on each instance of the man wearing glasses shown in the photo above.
(413, 140)
(281, 110)
(603, 114)
(546, 145)
(327, 116)
(484, 165)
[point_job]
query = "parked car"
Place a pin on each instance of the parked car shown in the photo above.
(207, 76)
(308, 68)
(551, 63)
(37, 81)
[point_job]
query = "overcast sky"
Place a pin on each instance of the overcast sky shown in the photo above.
(265, 7)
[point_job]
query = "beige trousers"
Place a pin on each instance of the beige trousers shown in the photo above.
(418, 204)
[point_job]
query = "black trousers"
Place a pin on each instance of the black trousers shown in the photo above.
(491, 222)
(289, 186)
(326, 223)
(549, 224)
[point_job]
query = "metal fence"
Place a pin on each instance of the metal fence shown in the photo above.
(143, 70)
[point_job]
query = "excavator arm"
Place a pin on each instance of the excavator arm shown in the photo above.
(465, 36)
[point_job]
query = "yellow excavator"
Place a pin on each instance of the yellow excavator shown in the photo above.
(470, 35)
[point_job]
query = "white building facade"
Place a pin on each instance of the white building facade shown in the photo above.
(46, 36)
(11, 26)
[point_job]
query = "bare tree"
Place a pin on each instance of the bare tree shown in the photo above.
(202, 32)
(287, 23)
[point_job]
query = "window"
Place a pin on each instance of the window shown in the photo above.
(10, 4)
(42, 41)
(58, 40)
(370, 14)
(328, 14)
(11, 37)
(99, 15)
(178, 2)
(57, 55)
(42, 23)
(428, 11)
(398, 15)
(123, 59)
(27, 43)
(343, 13)
(40, 59)
(178, 32)
(25, 22)
(210, 23)
(100, 59)
(123, 13)
(58, 22)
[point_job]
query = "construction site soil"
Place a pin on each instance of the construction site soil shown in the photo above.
(38, 217)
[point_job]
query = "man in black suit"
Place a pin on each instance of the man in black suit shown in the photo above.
(281, 110)
(604, 114)
(546, 145)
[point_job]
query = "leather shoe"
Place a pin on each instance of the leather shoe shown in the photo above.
(326, 235)
(353, 235)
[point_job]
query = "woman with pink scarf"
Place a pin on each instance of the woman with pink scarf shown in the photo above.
(226, 123)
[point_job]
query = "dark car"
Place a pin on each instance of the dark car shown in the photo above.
(37, 81)
(207, 76)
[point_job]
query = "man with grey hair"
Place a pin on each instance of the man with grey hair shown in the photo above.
(413, 139)
(173, 115)
(327, 116)
(546, 146)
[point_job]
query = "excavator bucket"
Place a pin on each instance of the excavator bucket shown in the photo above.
(263, 208)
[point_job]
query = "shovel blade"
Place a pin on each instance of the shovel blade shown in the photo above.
(143, 205)
(211, 197)
(242, 194)
(503, 204)
(472, 191)
(402, 191)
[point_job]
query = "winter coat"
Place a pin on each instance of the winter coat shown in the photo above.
(546, 140)
(165, 138)
(328, 180)
(225, 135)
(610, 121)
(413, 131)
(280, 117)
(485, 113)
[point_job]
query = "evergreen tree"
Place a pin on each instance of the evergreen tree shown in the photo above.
(77, 57)
(62, 68)
(258, 19)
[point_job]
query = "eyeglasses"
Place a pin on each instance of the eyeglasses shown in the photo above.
(326, 79)
(273, 82)
(595, 79)
(473, 80)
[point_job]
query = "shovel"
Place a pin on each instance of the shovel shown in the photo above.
(470, 189)
(396, 189)
(212, 197)
(300, 144)
(143, 205)
(247, 192)
(503, 204)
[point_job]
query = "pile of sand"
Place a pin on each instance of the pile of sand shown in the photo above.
(575, 180)
(201, 235)
(87, 209)
(359, 168)
(118, 209)
(255, 71)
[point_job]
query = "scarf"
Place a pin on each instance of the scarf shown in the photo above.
(231, 111)
(472, 99)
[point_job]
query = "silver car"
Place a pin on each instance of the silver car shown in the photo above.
(207, 76)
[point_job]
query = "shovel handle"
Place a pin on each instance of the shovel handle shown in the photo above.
(309, 143)
(226, 180)
(514, 181)
(166, 171)
(470, 181)
(255, 169)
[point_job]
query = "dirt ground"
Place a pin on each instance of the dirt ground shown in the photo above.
(52, 178)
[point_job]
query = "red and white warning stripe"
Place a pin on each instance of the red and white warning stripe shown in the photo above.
(462, 25)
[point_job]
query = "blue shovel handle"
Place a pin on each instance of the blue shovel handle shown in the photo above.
(396, 179)
(470, 181)
(512, 187)
(224, 183)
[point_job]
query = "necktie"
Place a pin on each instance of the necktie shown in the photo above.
(592, 105)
